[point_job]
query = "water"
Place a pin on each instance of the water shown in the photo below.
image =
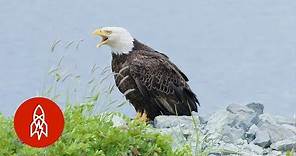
(232, 51)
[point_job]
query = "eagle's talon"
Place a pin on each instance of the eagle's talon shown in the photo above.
(138, 115)
(144, 117)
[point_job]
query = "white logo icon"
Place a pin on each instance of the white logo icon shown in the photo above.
(38, 125)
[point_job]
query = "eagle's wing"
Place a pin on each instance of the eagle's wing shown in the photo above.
(161, 82)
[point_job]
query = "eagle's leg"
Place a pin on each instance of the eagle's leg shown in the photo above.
(144, 117)
(138, 115)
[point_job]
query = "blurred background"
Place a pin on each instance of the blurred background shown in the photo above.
(232, 51)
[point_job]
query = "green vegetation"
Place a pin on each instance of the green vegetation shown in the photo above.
(290, 153)
(89, 129)
(88, 133)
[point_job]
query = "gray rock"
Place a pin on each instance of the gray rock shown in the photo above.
(217, 123)
(266, 151)
(271, 152)
(237, 109)
(275, 131)
(230, 149)
(178, 138)
(285, 145)
(257, 107)
(285, 120)
(165, 121)
(241, 141)
(232, 135)
(203, 119)
(238, 130)
(218, 120)
(251, 134)
(252, 148)
(262, 139)
(275, 153)
(118, 121)
(183, 129)
(229, 126)
(244, 116)
(214, 154)
(266, 118)
(290, 127)
(253, 129)
(244, 150)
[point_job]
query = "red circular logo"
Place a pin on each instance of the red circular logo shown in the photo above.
(38, 122)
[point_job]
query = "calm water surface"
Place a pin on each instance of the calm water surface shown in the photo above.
(232, 51)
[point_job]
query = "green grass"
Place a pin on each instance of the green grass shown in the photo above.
(88, 133)
(290, 153)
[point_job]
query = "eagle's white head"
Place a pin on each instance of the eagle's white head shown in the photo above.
(119, 39)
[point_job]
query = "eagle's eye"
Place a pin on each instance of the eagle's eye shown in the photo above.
(108, 32)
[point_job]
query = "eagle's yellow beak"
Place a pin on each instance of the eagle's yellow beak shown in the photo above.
(104, 34)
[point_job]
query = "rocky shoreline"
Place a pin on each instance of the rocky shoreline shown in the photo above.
(237, 130)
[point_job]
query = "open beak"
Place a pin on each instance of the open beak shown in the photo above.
(104, 34)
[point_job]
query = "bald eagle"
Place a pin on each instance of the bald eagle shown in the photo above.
(148, 79)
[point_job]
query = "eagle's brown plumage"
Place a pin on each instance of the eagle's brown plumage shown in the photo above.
(152, 83)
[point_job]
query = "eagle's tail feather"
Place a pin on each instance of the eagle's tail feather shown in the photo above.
(192, 100)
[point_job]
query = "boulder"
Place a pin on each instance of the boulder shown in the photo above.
(262, 139)
(218, 120)
(234, 150)
(244, 117)
(118, 121)
(217, 123)
(274, 153)
(203, 119)
(183, 129)
(251, 133)
(230, 125)
(238, 130)
(252, 148)
(232, 135)
(257, 107)
(229, 149)
(266, 118)
(285, 120)
(276, 132)
(290, 127)
(165, 121)
(215, 154)
(237, 109)
(285, 145)
(176, 133)
(271, 152)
